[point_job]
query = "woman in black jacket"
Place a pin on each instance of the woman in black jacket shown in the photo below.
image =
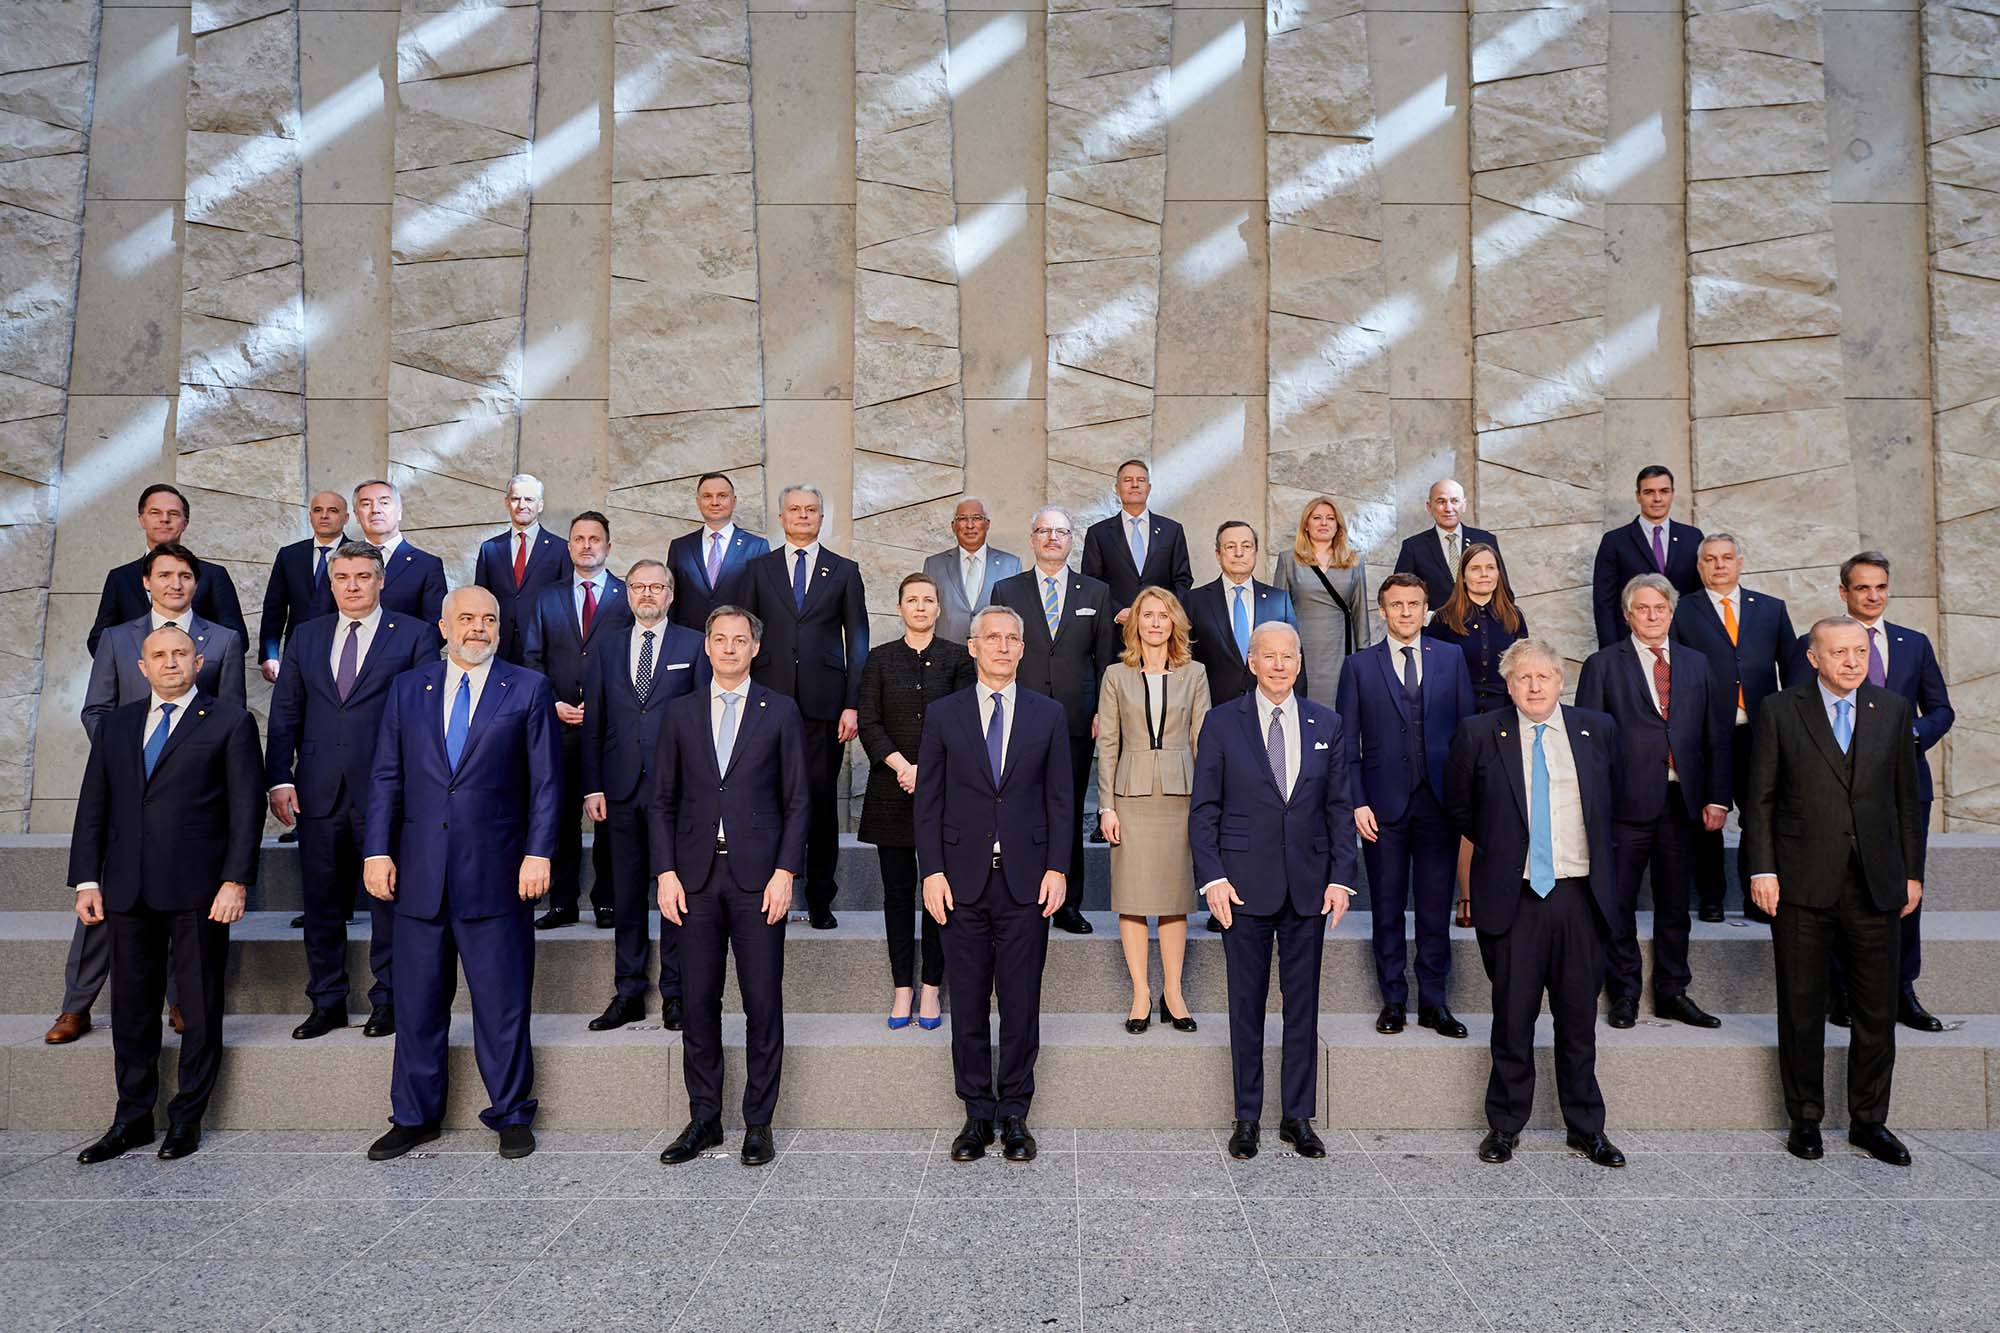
(1481, 618)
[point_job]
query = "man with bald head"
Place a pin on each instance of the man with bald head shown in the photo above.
(300, 589)
(1433, 554)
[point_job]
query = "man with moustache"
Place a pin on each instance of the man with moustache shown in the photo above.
(299, 589)
(163, 518)
(517, 564)
(412, 580)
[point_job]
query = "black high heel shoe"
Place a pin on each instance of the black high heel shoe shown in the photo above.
(1135, 1026)
(1180, 1024)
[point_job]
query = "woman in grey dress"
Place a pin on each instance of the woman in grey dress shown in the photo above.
(1328, 582)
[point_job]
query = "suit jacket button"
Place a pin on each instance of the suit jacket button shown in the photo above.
(446, 824)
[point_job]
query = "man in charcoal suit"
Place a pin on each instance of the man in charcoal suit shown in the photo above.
(517, 564)
(1433, 555)
(413, 581)
(966, 574)
(299, 589)
(1652, 543)
(1222, 613)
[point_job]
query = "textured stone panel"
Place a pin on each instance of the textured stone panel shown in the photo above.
(1757, 446)
(1904, 486)
(1316, 80)
(926, 427)
(243, 80)
(1965, 324)
(1570, 449)
(1646, 340)
(568, 302)
(128, 296)
(807, 308)
(804, 97)
(1208, 467)
(1324, 182)
(1512, 44)
(1815, 511)
(1742, 209)
(1427, 269)
(1103, 317)
(1417, 65)
(346, 294)
(999, 433)
(1646, 130)
(1325, 275)
(1533, 269)
(138, 146)
(1000, 300)
(681, 351)
(1750, 141)
(1884, 316)
(1212, 300)
(1770, 289)
(1538, 374)
(1779, 375)
(573, 109)
(696, 141)
(1215, 135)
(1538, 118)
(348, 125)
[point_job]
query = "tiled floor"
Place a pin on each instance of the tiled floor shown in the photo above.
(1107, 1230)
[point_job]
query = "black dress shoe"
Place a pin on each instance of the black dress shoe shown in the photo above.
(1597, 1148)
(299, 921)
(1836, 1011)
(605, 919)
(1911, 1014)
(1681, 1009)
(1300, 1134)
(181, 1141)
(972, 1141)
(625, 1009)
(821, 918)
(1879, 1143)
(117, 1141)
(1391, 1020)
(696, 1139)
(516, 1141)
(1016, 1143)
(556, 917)
(1441, 1021)
(381, 1021)
(1709, 913)
(1243, 1140)
(757, 1147)
(1497, 1146)
(1137, 1026)
(1185, 1023)
(399, 1140)
(1070, 919)
(1212, 926)
(671, 1013)
(322, 1020)
(1804, 1141)
(1624, 1012)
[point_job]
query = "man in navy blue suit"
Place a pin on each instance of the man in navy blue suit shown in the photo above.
(640, 669)
(1136, 548)
(1433, 555)
(1650, 544)
(299, 589)
(1532, 788)
(709, 563)
(993, 809)
(1400, 702)
(1222, 613)
(1272, 830)
(1673, 782)
(163, 517)
(412, 580)
(462, 810)
(326, 711)
(728, 838)
(560, 636)
(517, 564)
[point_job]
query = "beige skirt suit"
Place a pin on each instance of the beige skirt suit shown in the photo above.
(1145, 772)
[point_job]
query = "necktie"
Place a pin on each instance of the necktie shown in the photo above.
(157, 742)
(589, 606)
(459, 723)
(1274, 747)
(1051, 608)
(1878, 670)
(1411, 686)
(1451, 551)
(643, 682)
(1239, 620)
(714, 559)
(996, 731)
(319, 570)
(350, 661)
(1843, 723)
(1659, 548)
(1663, 685)
(1541, 829)
(1729, 624)
(725, 738)
(971, 579)
(520, 558)
(170, 624)
(1138, 540)
(799, 582)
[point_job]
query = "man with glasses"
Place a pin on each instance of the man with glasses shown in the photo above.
(965, 574)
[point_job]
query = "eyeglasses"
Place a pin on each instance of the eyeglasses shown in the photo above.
(972, 518)
(650, 589)
(1051, 532)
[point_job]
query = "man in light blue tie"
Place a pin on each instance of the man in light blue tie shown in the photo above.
(1532, 788)
(1221, 614)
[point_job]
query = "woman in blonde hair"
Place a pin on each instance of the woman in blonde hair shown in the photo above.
(1328, 582)
(1149, 711)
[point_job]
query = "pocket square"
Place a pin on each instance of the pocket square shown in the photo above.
(1319, 745)
(679, 666)
(1086, 610)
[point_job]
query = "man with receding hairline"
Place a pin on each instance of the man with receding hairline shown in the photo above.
(517, 564)
(413, 582)
(1434, 554)
(299, 589)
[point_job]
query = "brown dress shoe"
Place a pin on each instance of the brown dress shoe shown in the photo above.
(175, 1021)
(67, 1028)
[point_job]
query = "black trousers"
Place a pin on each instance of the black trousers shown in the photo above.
(1711, 882)
(723, 918)
(899, 900)
(635, 897)
(330, 880)
(1417, 855)
(140, 942)
(824, 755)
(1865, 938)
(995, 947)
(1663, 845)
(1246, 955)
(1556, 944)
(1910, 928)
(566, 868)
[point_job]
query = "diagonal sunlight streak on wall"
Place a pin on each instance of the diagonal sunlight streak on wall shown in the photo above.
(113, 461)
(979, 233)
(1189, 81)
(991, 45)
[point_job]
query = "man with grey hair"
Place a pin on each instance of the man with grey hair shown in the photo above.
(413, 582)
(517, 564)
(966, 574)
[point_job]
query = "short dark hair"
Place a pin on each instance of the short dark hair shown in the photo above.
(908, 579)
(174, 550)
(1139, 463)
(357, 551)
(707, 477)
(1229, 523)
(1401, 581)
(595, 517)
(756, 625)
(1650, 471)
(1875, 558)
(161, 488)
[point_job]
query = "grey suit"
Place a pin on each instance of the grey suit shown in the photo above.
(945, 569)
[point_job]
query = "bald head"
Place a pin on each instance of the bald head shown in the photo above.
(1446, 503)
(470, 625)
(169, 662)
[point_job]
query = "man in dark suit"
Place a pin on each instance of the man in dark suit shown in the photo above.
(1070, 641)
(728, 836)
(517, 564)
(1532, 788)
(1833, 844)
(462, 812)
(709, 563)
(1650, 544)
(561, 635)
(1221, 614)
(1673, 781)
(639, 669)
(965, 574)
(1400, 702)
(162, 851)
(163, 517)
(996, 787)
(326, 712)
(1433, 555)
(412, 580)
(1135, 548)
(1745, 638)
(1271, 828)
(299, 590)
(815, 641)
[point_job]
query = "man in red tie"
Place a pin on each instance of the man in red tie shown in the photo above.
(517, 564)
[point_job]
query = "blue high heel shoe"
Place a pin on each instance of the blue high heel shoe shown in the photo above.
(898, 1024)
(930, 1024)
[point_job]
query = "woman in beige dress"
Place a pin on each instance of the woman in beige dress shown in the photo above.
(1149, 711)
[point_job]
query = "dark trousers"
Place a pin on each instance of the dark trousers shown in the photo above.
(723, 918)
(87, 966)
(140, 941)
(1556, 944)
(1246, 953)
(1865, 938)
(498, 954)
(824, 756)
(994, 948)
(1663, 845)
(628, 832)
(1909, 928)
(900, 900)
(1710, 880)
(329, 878)
(1418, 852)
(566, 868)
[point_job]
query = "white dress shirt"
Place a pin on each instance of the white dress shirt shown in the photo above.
(1735, 597)
(1571, 849)
(1396, 647)
(716, 709)
(183, 621)
(1652, 686)
(453, 673)
(792, 558)
(533, 532)
(369, 624)
(1666, 527)
(154, 719)
(388, 550)
(972, 573)
(982, 694)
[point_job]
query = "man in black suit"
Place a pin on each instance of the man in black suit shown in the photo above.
(560, 634)
(1833, 845)
(162, 851)
(325, 712)
(1433, 555)
(1744, 637)
(1532, 788)
(1070, 641)
(517, 564)
(412, 580)
(815, 642)
(163, 517)
(728, 837)
(996, 784)
(639, 669)
(1134, 548)
(1673, 781)
(299, 589)
(1650, 544)
(709, 563)
(1222, 614)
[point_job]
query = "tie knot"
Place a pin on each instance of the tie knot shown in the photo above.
(1840, 705)
(167, 710)
(649, 636)
(1540, 727)
(998, 698)
(729, 700)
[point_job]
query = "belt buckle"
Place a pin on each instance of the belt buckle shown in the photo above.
(721, 847)
(996, 861)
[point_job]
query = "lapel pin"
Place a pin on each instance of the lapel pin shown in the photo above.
(1503, 735)
(1586, 733)
(429, 688)
(203, 712)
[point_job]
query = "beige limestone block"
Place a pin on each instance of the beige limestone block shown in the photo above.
(812, 442)
(1079, 398)
(1006, 161)
(647, 449)
(1960, 216)
(1213, 300)
(52, 185)
(1721, 77)
(242, 79)
(1326, 183)
(884, 482)
(679, 351)
(1780, 375)
(427, 139)
(58, 739)
(1815, 512)
(925, 427)
(494, 102)
(1875, 113)
(889, 212)
(112, 447)
(692, 232)
(573, 109)
(1208, 468)
(348, 126)
(1563, 618)
(138, 140)
(907, 310)
(1215, 134)
(1434, 439)
(127, 331)
(1529, 268)
(1104, 446)
(419, 397)
(567, 444)
(268, 296)
(1568, 189)
(1427, 319)
(1756, 446)
(1082, 231)
(1135, 188)
(1780, 27)
(1769, 289)
(1971, 429)
(248, 183)
(24, 555)
(1317, 80)
(55, 95)
(568, 302)
(208, 417)
(806, 301)
(886, 103)
(1539, 117)
(1337, 418)
(1646, 342)
(261, 469)
(245, 530)
(1417, 65)
(999, 434)
(1901, 485)
(1981, 259)
(886, 370)
(1958, 39)
(478, 451)
(1509, 500)
(1570, 449)
(36, 36)
(1085, 496)
(1106, 41)
(656, 79)
(1551, 557)
(1971, 160)
(919, 528)
(1971, 646)
(487, 353)
(1325, 275)
(1538, 374)
(1752, 141)
(424, 232)
(1314, 362)
(1362, 466)
(346, 440)
(1103, 316)
(38, 260)
(1743, 209)
(21, 398)
(346, 289)
(694, 141)
(930, 255)
(893, 40)
(1646, 134)
(803, 93)
(1001, 271)
(453, 292)
(1108, 119)
(1955, 106)
(1885, 319)
(32, 449)
(27, 136)
(23, 502)
(496, 189)
(1966, 324)
(463, 41)
(434, 494)
(712, 29)
(1513, 44)
(918, 158)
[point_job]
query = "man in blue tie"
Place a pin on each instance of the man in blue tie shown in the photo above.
(1221, 614)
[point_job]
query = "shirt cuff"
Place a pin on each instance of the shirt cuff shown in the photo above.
(1344, 889)
(382, 857)
(589, 794)
(1211, 884)
(282, 786)
(87, 884)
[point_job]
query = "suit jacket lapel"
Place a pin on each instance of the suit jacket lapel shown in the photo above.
(747, 721)
(1512, 745)
(1580, 743)
(1813, 708)
(821, 573)
(613, 591)
(388, 638)
(491, 700)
